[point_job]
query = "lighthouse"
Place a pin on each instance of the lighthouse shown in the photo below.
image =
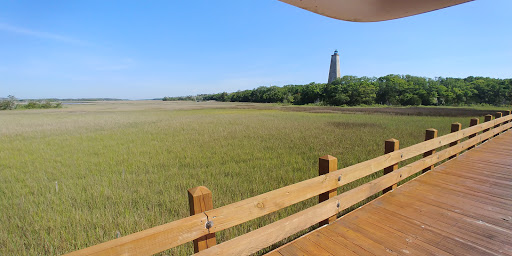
(334, 70)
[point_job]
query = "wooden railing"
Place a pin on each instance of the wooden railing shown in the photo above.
(205, 221)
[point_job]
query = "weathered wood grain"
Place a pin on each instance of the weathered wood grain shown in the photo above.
(473, 122)
(327, 164)
(487, 119)
(390, 145)
(455, 127)
(430, 134)
(200, 200)
(153, 240)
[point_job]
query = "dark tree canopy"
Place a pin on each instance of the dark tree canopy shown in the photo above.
(404, 90)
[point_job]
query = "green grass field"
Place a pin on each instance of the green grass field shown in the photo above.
(75, 177)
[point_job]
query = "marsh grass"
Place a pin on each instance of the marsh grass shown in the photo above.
(85, 174)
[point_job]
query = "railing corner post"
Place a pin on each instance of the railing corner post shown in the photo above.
(390, 145)
(327, 164)
(200, 200)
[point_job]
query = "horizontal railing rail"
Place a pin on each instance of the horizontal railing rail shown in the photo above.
(279, 230)
(198, 226)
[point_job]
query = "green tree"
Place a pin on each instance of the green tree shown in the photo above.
(9, 103)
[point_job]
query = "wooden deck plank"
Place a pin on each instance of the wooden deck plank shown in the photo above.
(459, 199)
(448, 188)
(312, 248)
(478, 169)
(274, 253)
(497, 219)
(395, 240)
(360, 240)
(469, 177)
(486, 170)
(329, 244)
(470, 159)
(441, 239)
(448, 217)
(358, 250)
(489, 180)
(392, 246)
(418, 231)
(378, 220)
(491, 158)
(485, 161)
(485, 174)
(480, 187)
(291, 250)
(499, 144)
(462, 207)
(462, 179)
(468, 230)
(490, 152)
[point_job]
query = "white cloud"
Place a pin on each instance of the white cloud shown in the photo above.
(40, 34)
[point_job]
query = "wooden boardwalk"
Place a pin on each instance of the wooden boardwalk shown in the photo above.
(462, 207)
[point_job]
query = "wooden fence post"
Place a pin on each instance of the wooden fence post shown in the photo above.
(487, 119)
(473, 122)
(507, 112)
(455, 128)
(390, 145)
(429, 134)
(200, 200)
(327, 164)
(497, 115)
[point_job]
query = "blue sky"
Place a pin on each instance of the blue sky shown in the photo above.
(149, 49)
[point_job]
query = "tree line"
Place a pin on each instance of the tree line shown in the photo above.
(181, 98)
(11, 103)
(405, 90)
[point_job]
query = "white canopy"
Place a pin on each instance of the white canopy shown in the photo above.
(371, 10)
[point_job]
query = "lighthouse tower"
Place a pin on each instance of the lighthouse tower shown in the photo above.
(334, 70)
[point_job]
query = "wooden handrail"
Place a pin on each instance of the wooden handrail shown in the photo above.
(258, 239)
(254, 207)
(153, 240)
(172, 234)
